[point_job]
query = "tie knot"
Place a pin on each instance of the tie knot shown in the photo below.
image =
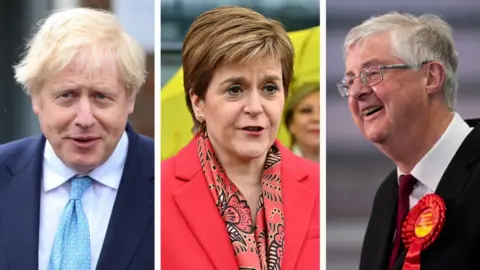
(79, 185)
(407, 183)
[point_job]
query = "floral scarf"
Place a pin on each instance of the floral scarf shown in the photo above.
(259, 246)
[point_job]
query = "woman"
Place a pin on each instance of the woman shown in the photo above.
(302, 119)
(234, 197)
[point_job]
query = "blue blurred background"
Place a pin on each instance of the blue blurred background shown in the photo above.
(355, 167)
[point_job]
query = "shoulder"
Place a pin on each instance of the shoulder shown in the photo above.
(14, 148)
(302, 166)
(168, 165)
(386, 188)
(186, 158)
(147, 142)
(312, 170)
(184, 165)
(142, 146)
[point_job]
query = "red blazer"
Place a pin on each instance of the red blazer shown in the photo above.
(194, 236)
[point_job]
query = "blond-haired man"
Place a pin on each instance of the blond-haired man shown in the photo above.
(80, 196)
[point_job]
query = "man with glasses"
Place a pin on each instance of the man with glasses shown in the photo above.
(401, 87)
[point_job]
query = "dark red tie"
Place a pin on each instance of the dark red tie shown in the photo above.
(407, 182)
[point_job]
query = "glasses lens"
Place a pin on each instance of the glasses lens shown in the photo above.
(371, 76)
(342, 87)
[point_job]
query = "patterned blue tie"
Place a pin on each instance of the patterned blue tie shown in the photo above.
(71, 249)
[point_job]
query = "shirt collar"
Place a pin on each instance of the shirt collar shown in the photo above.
(430, 169)
(297, 151)
(56, 173)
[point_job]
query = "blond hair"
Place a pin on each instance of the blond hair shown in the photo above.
(415, 40)
(228, 35)
(295, 99)
(93, 36)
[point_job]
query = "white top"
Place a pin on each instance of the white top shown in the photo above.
(97, 200)
(430, 169)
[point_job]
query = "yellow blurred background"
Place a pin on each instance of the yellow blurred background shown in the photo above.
(176, 122)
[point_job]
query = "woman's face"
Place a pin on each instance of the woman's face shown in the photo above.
(243, 107)
(305, 126)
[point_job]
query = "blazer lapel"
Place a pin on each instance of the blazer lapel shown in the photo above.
(20, 206)
(133, 211)
(298, 207)
(457, 174)
(199, 210)
(381, 226)
(386, 226)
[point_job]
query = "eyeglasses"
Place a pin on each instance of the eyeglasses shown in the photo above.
(369, 76)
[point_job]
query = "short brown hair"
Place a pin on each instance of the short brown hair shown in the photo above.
(227, 35)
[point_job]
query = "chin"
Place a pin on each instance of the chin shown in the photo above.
(83, 163)
(376, 136)
(252, 151)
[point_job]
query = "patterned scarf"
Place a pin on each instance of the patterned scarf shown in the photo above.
(259, 246)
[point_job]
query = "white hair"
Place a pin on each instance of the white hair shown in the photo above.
(414, 40)
(92, 36)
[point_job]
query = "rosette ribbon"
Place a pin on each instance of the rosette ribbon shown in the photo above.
(421, 228)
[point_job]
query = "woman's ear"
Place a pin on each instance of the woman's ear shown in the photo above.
(197, 104)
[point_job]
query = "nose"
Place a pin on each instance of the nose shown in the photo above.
(316, 116)
(358, 90)
(84, 117)
(254, 105)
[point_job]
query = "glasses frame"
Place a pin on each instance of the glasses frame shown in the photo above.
(344, 92)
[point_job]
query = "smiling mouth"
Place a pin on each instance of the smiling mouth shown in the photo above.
(371, 110)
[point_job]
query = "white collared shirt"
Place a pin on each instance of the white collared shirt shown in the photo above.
(430, 169)
(297, 151)
(97, 200)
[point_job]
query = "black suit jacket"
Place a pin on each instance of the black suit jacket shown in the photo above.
(129, 241)
(458, 244)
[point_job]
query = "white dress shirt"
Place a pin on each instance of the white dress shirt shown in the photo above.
(430, 169)
(97, 200)
(297, 151)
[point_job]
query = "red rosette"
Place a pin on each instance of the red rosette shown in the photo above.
(421, 228)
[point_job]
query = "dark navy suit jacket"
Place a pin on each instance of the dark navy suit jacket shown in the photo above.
(129, 241)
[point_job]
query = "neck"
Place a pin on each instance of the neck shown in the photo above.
(308, 152)
(407, 149)
(242, 172)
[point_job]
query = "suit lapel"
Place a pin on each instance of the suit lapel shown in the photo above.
(388, 213)
(298, 207)
(380, 231)
(20, 206)
(457, 174)
(133, 211)
(199, 210)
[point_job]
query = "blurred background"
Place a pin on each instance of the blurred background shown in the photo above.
(301, 17)
(355, 167)
(178, 15)
(18, 19)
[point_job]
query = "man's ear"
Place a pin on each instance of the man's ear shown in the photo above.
(435, 77)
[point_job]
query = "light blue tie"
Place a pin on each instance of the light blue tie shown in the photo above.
(71, 249)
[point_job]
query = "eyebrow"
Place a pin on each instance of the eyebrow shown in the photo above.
(76, 87)
(370, 62)
(239, 79)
